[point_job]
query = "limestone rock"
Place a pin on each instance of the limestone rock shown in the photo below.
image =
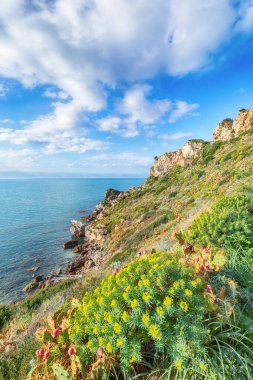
(228, 128)
(182, 157)
(77, 228)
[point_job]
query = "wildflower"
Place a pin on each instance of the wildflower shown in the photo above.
(207, 250)
(100, 351)
(101, 300)
(113, 303)
(56, 332)
(117, 328)
(41, 352)
(125, 316)
(46, 355)
(109, 347)
(171, 291)
(100, 341)
(71, 351)
(115, 271)
(188, 292)
(134, 303)
(146, 282)
(178, 364)
(89, 344)
(125, 296)
(133, 358)
(128, 288)
(95, 329)
(146, 296)
(197, 259)
(202, 366)
(145, 319)
(184, 305)
(194, 283)
(209, 288)
(153, 329)
(160, 310)
(167, 301)
(119, 343)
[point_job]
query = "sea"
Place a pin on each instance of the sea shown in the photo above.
(35, 216)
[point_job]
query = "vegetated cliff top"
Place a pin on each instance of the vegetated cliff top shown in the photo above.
(225, 131)
(142, 218)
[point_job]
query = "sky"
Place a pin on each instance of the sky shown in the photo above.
(97, 88)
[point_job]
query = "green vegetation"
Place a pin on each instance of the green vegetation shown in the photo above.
(181, 310)
(229, 222)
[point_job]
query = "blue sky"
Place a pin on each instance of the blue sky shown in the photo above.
(97, 88)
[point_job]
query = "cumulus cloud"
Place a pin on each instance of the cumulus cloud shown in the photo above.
(137, 107)
(182, 109)
(82, 48)
(245, 22)
(175, 136)
(57, 131)
(135, 110)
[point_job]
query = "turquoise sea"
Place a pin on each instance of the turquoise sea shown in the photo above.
(35, 217)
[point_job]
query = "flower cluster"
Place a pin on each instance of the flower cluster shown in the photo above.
(156, 299)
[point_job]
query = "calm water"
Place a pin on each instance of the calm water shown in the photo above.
(34, 222)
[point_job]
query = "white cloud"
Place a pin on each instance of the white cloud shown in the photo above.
(122, 159)
(245, 22)
(138, 108)
(11, 159)
(115, 124)
(5, 121)
(175, 136)
(81, 48)
(182, 109)
(59, 131)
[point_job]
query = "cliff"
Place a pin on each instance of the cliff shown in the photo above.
(182, 157)
(228, 128)
(225, 131)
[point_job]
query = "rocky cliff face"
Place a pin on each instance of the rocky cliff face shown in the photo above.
(228, 129)
(182, 157)
(224, 131)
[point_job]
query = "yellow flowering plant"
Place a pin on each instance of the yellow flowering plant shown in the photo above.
(131, 310)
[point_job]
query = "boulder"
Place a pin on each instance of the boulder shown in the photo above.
(30, 286)
(77, 228)
(70, 244)
(33, 269)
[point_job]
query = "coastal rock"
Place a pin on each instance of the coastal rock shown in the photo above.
(111, 194)
(70, 244)
(228, 128)
(30, 286)
(77, 229)
(182, 157)
(37, 278)
(33, 269)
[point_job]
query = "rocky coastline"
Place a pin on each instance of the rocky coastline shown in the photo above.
(89, 253)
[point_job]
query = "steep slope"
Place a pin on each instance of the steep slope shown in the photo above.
(143, 217)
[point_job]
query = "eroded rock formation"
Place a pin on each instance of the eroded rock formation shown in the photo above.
(228, 128)
(182, 157)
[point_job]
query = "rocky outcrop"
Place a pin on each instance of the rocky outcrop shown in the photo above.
(228, 128)
(77, 229)
(182, 157)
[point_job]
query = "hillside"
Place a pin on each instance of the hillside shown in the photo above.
(142, 218)
(175, 259)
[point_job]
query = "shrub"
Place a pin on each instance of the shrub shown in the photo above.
(251, 122)
(154, 304)
(5, 315)
(229, 222)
